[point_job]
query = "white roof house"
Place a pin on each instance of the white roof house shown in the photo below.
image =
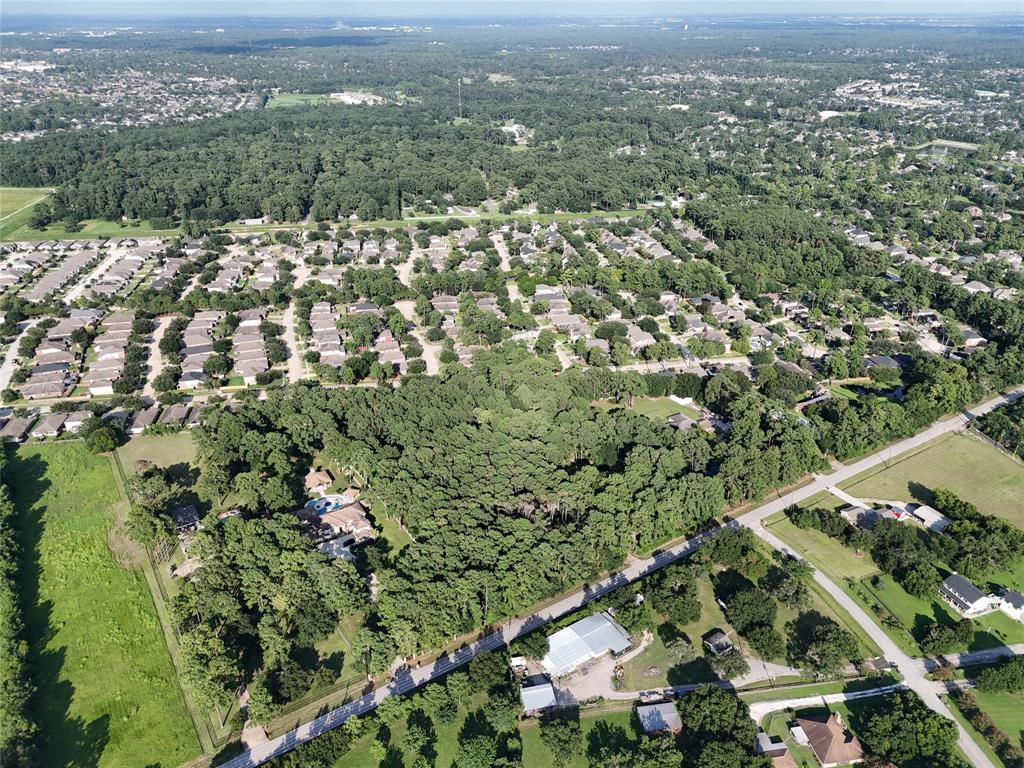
(582, 641)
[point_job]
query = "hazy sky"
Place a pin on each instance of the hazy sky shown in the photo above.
(377, 8)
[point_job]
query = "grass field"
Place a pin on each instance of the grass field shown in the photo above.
(107, 693)
(16, 205)
(835, 559)
(974, 470)
(163, 450)
(91, 228)
(295, 99)
(656, 408)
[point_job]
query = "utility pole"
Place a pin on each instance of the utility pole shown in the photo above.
(460, 97)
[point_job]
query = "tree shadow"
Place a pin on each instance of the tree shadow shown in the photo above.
(697, 671)
(606, 738)
(920, 492)
(68, 740)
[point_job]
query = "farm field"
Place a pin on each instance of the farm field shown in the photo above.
(974, 470)
(107, 691)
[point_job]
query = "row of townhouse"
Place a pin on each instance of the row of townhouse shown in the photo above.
(109, 348)
(326, 338)
(58, 277)
(248, 347)
(54, 366)
(197, 347)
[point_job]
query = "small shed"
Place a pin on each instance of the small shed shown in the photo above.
(659, 718)
(537, 694)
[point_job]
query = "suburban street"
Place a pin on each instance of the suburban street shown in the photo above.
(8, 365)
(156, 359)
(912, 670)
(115, 255)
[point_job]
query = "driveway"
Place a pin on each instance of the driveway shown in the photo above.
(296, 366)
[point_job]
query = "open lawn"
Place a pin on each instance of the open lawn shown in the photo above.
(974, 470)
(14, 199)
(107, 693)
(835, 559)
(656, 408)
(856, 575)
(991, 630)
(1007, 710)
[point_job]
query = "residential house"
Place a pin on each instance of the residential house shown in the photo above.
(965, 598)
(831, 741)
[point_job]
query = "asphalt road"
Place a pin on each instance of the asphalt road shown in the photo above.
(11, 359)
(912, 671)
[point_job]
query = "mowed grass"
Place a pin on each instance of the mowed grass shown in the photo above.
(13, 199)
(834, 558)
(107, 693)
(972, 469)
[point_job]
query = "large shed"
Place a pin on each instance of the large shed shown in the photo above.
(582, 641)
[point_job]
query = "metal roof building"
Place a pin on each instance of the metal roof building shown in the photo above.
(537, 694)
(582, 641)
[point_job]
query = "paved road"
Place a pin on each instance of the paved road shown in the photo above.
(912, 671)
(155, 358)
(101, 269)
(974, 657)
(507, 632)
(759, 709)
(11, 359)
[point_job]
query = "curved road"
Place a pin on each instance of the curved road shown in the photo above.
(912, 670)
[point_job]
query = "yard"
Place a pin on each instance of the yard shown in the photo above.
(856, 576)
(656, 408)
(974, 470)
(107, 692)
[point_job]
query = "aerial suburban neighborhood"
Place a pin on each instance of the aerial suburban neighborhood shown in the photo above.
(477, 389)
